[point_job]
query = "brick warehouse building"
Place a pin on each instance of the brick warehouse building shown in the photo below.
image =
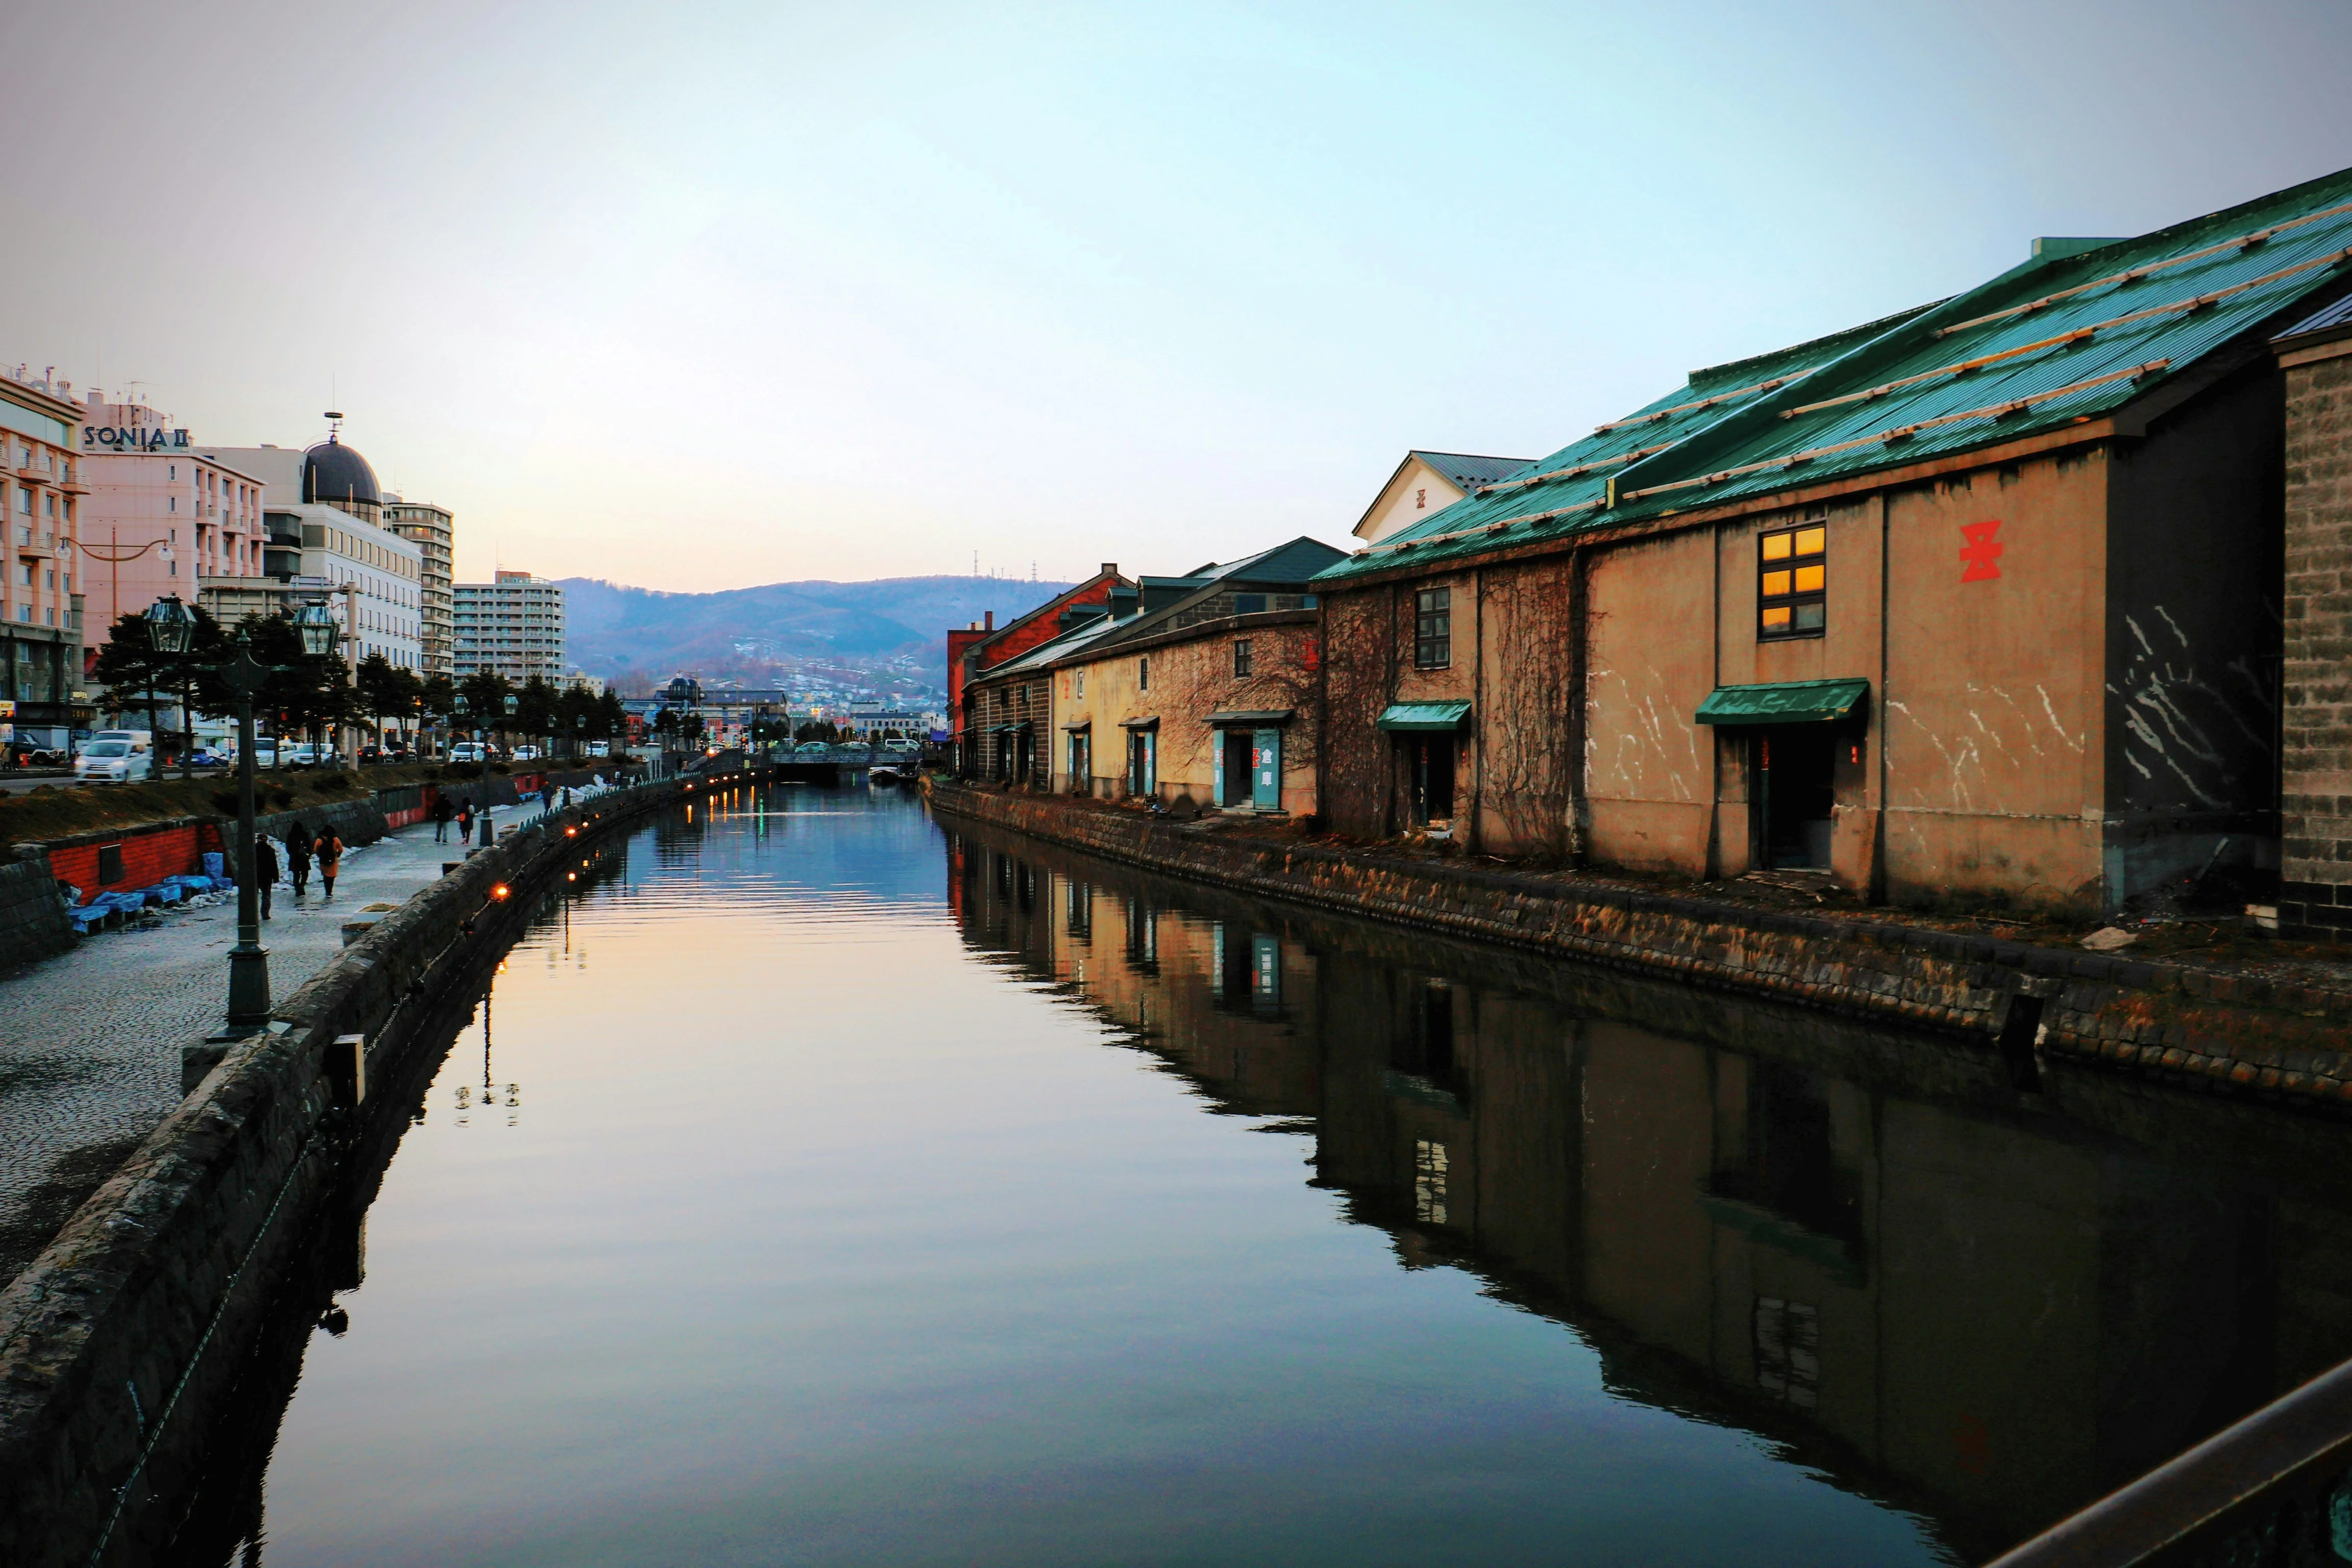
(2315, 730)
(1980, 600)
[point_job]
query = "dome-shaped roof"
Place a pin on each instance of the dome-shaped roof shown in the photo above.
(333, 474)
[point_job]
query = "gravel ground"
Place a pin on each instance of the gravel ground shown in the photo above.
(89, 1040)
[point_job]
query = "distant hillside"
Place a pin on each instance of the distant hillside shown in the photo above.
(614, 628)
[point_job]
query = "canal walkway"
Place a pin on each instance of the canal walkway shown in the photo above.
(89, 1040)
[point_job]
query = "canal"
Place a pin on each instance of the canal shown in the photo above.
(825, 1184)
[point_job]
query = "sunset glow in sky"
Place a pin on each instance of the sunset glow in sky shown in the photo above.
(701, 296)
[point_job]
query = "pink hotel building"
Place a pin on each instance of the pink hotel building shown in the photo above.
(161, 517)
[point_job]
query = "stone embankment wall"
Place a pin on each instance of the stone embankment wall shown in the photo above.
(118, 1338)
(2178, 1019)
(33, 923)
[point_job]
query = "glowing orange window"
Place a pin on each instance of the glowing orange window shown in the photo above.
(1792, 581)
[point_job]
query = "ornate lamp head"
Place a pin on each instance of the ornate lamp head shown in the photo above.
(171, 625)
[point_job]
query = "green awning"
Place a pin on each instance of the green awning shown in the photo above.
(1424, 715)
(1782, 702)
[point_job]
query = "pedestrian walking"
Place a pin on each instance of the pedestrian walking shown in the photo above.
(298, 856)
(265, 869)
(330, 850)
(441, 816)
(465, 823)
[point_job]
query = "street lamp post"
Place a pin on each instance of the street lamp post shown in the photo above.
(172, 628)
(464, 706)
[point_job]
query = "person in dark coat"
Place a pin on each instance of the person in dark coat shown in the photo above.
(265, 869)
(441, 816)
(465, 823)
(298, 856)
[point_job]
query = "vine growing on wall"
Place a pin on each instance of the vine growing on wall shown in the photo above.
(1530, 727)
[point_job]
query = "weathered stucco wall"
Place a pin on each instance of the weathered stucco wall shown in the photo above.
(1649, 767)
(1991, 695)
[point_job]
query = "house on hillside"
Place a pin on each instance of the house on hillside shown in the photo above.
(1980, 600)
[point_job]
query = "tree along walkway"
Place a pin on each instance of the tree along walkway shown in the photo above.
(89, 1040)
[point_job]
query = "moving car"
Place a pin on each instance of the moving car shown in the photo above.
(466, 752)
(812, 748)
(302, 754)
(600, 748)
(528, 754)
(115, 756)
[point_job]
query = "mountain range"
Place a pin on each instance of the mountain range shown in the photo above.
(614, 630)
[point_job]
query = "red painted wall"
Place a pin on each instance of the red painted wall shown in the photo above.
(1017, 638)
(148, 857)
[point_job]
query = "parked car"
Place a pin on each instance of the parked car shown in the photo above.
(112, 756)
(600, 748)
(468, 752)
(528, 754)
(902, 745)
(302, 754)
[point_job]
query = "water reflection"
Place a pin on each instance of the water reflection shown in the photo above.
(1939, 1292)
(1063, 1215)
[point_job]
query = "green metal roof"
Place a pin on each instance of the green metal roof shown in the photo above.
(1782, 702)
(1424, 715)
(2063, 339)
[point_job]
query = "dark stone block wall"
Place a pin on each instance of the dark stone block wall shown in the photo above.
(33, 922)
(2315, 872)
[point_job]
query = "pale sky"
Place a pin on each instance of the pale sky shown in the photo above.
(703, 296)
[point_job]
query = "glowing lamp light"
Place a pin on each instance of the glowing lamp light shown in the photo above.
(500, 892)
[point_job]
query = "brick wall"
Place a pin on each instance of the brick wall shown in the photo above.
(148, 855)
(2316, 873)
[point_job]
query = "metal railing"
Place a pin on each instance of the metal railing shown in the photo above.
(2273, 1491)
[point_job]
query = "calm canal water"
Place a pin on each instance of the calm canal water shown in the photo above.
(831, 1186)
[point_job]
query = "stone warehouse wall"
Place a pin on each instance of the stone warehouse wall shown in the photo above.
(2224, 1028)
(2315, 873)
(158, 1280)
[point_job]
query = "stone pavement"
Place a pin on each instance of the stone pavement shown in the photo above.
(89, 1040)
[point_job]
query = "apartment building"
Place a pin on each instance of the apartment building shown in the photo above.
(162, 516)
(432, 528)
(513, 626)
(40, 606)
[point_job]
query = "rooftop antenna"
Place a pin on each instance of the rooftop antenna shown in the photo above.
(334, 427)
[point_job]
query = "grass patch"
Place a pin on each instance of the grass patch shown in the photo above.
(55, 810)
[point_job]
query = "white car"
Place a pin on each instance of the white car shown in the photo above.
(112, 759)
(302, 754)
(466, 752)
(600, 748)
(528, 754)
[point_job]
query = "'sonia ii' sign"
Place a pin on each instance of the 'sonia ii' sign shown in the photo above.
(131, 437)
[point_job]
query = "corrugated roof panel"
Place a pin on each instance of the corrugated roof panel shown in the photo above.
(2111, 308)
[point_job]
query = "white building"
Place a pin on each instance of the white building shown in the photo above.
(435, 530)
(513, 626)
(334, 540)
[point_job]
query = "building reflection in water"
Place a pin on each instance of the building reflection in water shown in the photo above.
(1867, 1248)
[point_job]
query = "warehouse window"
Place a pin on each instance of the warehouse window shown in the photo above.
(1242, 660)
(1433, 629)
(1143, 675)
(1791, 581)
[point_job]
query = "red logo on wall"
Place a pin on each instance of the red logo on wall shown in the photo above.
(1981, 551)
